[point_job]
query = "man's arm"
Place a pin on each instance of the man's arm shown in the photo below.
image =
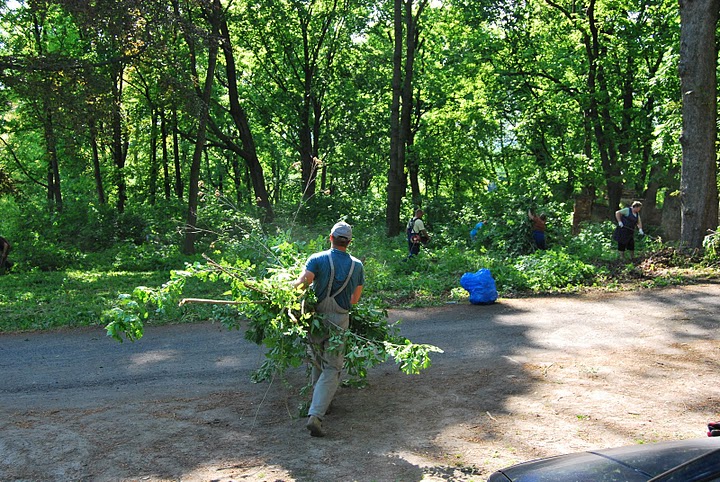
(305, 279)
(618, 216)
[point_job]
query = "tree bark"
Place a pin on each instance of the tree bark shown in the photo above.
(96, 162)
(698, 67)
(179, 185)
(54, 195)
(194, 187)
(396, 173)
(165, 166)
(119, 151)
(600, 115)
(246, 149)
(401, 113)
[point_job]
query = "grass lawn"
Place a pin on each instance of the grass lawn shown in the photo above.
(48, 300)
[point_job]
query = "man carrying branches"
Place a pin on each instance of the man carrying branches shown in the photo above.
(337, 279)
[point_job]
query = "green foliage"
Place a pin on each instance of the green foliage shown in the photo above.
(274, 314)
(711, 245)
(594, 242)
(46, 300)
(86, 235)
(548, 270)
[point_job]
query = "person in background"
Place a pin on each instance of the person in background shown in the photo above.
(5, 264)
(474, 231)
(416, 233)
(628, 220)
(538, 229)
(337, 279)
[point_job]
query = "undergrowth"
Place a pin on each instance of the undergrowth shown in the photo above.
(33, 299)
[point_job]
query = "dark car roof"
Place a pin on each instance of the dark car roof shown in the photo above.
(627, 464)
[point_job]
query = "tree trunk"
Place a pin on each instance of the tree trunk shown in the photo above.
(600, 115)
(54, 195)
(179, 186)
(154, 168)
(406, 98)
(396, 172)
(118, 143)
(698, 64)
(96, 162)
(165, 166)
(247, 150)
(194, 188)
(308, 162)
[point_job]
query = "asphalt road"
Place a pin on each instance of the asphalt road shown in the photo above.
(77, 368)
(178, 404)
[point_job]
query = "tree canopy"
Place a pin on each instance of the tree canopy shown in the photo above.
(354, 106)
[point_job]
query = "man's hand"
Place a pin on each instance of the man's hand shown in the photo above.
(620, 223)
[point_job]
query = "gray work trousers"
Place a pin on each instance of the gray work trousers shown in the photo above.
(327, 365)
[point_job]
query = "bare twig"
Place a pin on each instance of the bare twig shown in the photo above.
(185, 301)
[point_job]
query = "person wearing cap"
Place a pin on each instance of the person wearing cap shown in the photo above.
(337, 279)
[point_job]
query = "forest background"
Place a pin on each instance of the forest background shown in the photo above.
(139, 136)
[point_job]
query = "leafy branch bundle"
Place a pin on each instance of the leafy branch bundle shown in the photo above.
(274, 314)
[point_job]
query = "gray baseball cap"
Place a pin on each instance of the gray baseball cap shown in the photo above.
(342, 230)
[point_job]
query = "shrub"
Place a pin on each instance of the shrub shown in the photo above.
(711, 245)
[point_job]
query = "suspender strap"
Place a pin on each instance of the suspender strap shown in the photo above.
(332, 277)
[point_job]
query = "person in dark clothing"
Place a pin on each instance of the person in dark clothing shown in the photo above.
(538, 229)
(416, 233)
(628, 220)
(5, 263)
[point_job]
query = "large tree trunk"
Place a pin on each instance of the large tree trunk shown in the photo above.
(401, 113)
(698, 64)
(599, 113)
(247, 150)
(194, 188)
(396, 172)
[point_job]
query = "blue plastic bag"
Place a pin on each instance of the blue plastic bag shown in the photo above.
(481, 286)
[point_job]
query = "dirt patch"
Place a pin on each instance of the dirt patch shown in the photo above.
(520, 379)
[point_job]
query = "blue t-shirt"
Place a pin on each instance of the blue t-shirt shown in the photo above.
(319, 265)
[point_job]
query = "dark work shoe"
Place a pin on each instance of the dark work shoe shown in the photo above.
(314, 424)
